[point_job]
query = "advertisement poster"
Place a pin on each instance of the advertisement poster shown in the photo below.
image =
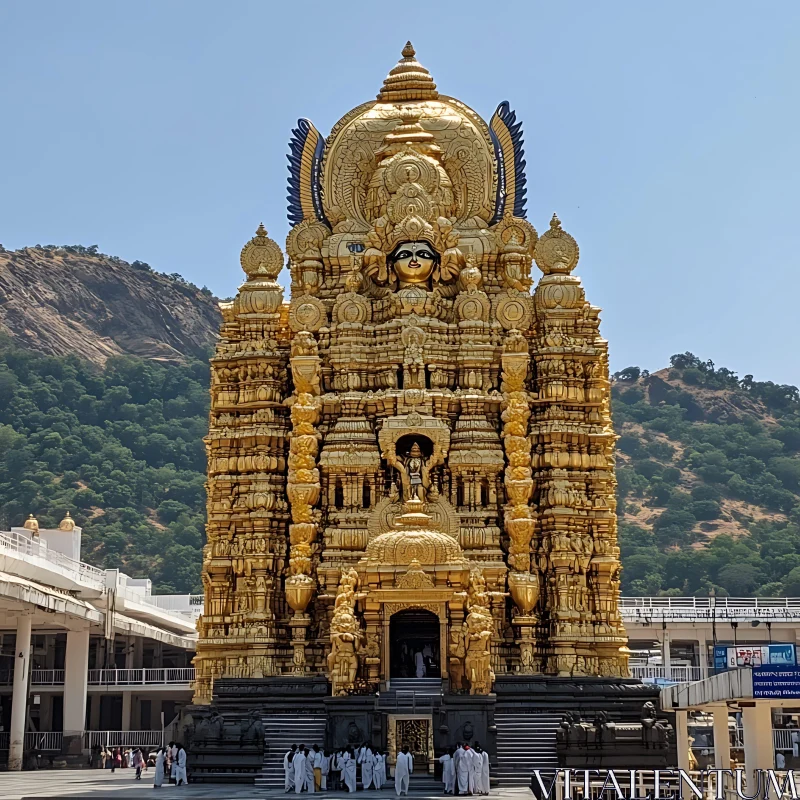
(751, 656)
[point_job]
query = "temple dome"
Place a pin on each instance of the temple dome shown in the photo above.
(411, 112)
(414, 540)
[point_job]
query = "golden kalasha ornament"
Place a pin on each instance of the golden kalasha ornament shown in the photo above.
(419, 434)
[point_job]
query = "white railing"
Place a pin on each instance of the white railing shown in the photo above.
(707, 602)
(128, 677)
(782, 738)
(48, 741)
(187, 603)
(20, 546)
(47, 677)
(707, 608)
(93, 739)
(679, 673)
(108, 677)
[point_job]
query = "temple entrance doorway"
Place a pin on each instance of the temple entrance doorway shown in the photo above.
(414, 650)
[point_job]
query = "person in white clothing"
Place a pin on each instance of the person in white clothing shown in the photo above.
(461, 762)
(159, 776)
(173, 761)
(299, 764)
(350, 771)
(288, 770)
(309, 770)
(337, 765)
(485, 783)
(402, 771)
(379, 770)
(326, 769)
(472, 768)
(365, 759)
(419, 664)
(448, 771)
(180, 772)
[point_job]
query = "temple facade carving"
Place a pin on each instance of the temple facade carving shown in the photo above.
(410, 461)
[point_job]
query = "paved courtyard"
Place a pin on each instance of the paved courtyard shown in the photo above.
(101, 784)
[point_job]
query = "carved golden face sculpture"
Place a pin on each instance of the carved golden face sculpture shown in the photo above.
(414, 262)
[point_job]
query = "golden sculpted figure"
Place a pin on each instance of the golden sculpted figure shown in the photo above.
(480, 628)
(417, 420)
(345, 636)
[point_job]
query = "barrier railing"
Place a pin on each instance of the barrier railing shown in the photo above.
(108, 677)
(18, 545)
(128, 677)
(678, 673)
(706, 608)
(92, 739)
(46, 741)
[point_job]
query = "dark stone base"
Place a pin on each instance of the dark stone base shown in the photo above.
(224, 747)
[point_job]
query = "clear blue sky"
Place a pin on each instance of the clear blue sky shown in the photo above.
(665, 135)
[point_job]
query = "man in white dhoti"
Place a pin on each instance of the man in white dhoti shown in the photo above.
(180, 771)
(326, 769)
(448, 771)
(419, 663)
(350, 771)
(288, 769)
(299, 764)
(366, 767)
(461, 762)
(402, 771)
(485, 783)
(309, 770)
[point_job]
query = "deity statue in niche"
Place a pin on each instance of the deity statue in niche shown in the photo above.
(413, 262)
(414, 464)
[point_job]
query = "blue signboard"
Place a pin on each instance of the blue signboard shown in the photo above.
(776, 682)
(720, 657)
(782, 654)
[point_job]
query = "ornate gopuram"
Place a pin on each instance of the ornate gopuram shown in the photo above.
(411, 514)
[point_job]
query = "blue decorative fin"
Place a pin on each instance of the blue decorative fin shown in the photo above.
(306, 150)
(506, 135)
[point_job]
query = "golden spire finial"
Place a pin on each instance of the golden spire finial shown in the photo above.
(555, 222)
(67, 524)
(408, 80)
(261, 230)
(32, 524)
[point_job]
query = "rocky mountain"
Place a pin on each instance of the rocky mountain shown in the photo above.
(74, 300)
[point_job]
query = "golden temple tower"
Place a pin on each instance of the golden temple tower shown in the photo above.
(416, 448)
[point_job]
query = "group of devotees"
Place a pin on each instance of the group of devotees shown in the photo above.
(465, 769)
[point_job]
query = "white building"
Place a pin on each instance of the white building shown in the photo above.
(719, 718)
(87, 656)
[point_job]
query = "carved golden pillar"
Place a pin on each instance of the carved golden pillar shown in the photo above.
(523, 577)
(303, 488)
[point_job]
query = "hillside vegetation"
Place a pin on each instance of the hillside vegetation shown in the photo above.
(709, 481)
(120, 447)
